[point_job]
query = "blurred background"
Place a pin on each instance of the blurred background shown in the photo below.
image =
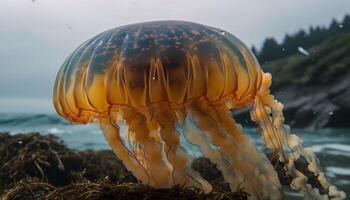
(304, 44)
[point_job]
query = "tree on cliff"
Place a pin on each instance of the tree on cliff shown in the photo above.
(271, 50)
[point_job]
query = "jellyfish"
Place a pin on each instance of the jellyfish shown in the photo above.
(154, 86)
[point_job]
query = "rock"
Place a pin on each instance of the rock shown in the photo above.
(319, 106)
(312, 106)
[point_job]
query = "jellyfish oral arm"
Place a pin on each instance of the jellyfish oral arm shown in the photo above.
(220, 139)
(111, 133)
(155, 160)
(300, 163)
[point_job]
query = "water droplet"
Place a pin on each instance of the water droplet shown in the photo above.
(303, 51)
(20, 142)
(331, 113)
(153, 78)
(341, 26)
(69, 26)
(283, 49)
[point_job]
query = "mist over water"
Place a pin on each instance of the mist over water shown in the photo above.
(26, 105)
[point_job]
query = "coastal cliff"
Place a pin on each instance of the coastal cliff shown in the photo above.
(313, 84)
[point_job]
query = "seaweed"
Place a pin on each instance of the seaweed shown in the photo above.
(105, 189)
(35, 166)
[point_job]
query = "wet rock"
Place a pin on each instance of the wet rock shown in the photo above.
(312, 106)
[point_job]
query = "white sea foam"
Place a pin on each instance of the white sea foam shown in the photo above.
(96, 132)
(57, 131)
(14, 132)
(293, 194)
(337, 153)
(340, 147)
(343, 182)
(332, 171)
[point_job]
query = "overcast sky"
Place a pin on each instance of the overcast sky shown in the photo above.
(36, 36)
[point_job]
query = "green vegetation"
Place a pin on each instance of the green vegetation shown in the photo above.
(272, 50)
(327, 56)
(326, 63)
(311, 75)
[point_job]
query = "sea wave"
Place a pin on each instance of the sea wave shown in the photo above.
(30, 119)
(333, 171)
(339, 147)
(57, 131)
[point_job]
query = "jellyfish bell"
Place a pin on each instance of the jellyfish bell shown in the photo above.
(166, 79)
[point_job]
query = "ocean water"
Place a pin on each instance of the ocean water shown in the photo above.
(332, 146)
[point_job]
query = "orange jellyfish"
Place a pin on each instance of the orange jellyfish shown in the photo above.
(150, 84)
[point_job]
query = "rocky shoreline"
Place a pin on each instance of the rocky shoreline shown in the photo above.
(312, 107)
(321, 106)
(314, 88)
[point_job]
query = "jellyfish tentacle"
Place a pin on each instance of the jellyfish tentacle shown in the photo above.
(167, 132)
(300, 163)
(206, 123)
(166, 127)
(201, 121)
(263, 166)
(274, 141)
(111, 133)
(241, 154)
(195, 175)
(148, 150)
(182, 173)
(196, 136)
